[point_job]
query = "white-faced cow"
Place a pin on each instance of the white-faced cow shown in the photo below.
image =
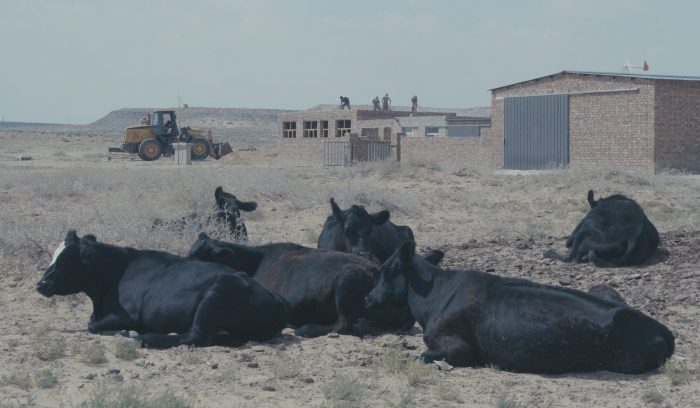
(325, 288)
(614, 232)
(356, 231)
(227, 211)
(473, 318)
(155, 293)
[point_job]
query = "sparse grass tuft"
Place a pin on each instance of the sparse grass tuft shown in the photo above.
(504, 401)
(108, 394)
(678, 372)
(93, 354)
(285, 367)
(48, 346)
(189, 355)
(394, 361)
(344, 391)
(20, 379)
(45, 378)
(406, 401)
(224, 376)
(446, 393)
(415, 372)
(127, 350)
(652, 397)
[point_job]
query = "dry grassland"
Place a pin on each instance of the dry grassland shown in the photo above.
(495, 221)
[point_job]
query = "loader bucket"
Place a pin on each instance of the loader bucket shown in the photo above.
(220, 150)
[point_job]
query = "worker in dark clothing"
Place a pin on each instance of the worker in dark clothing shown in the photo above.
(414, 103)
(386, 103)
(376, 103)
(344, 101)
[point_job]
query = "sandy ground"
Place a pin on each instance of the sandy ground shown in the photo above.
(499, 222)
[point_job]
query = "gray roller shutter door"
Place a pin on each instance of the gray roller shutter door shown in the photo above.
(536, 132)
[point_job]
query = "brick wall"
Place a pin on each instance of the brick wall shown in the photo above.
(452, 151)
(609, 129)
(303, 152)
(677, 125)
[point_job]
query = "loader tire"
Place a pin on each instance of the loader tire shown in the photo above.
(149, 150)
(200, 148)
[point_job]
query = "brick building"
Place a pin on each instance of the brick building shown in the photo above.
(629, 121)
(303, 134)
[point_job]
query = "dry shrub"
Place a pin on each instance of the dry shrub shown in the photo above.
(93, 353)
(108, 394)
(48, 346)
(505, 401)
(652, 397)
(285, 367)
(344, 391)
(413, 371)
(127, 350)
(20, 379)
(46, 378)
(446, 393)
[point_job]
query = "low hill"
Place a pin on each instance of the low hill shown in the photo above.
(240, 126)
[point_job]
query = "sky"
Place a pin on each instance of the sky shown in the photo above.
(73, 61)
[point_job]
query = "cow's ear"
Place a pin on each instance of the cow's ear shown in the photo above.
(218, 193)
(87, 252)
(434, 256)
(337, 212)
(246, 205)
(380, 218)
(203, 235)
(406, 251)
(71, 236)
(591, 199)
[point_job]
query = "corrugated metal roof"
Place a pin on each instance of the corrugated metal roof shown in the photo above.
(610, 74)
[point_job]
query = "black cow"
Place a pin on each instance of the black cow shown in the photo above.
(615, 232)
(227, 211)
(473, 318)
(356, 231)
(155, 293)
(325, 289)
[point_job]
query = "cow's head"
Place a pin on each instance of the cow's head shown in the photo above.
(392, 288)
(67, 272)
(228, 202)
(357, 226)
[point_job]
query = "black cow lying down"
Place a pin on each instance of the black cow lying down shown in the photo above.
(472, 318)
(155, 293)
(325, 289)
(614, 232)
(356, 231)
(227, 211)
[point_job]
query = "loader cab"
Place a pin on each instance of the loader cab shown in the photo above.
(164, 124)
